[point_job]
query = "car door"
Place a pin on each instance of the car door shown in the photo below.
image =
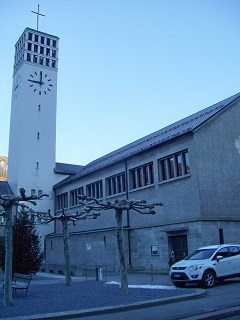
(223, 266)
(235, 259)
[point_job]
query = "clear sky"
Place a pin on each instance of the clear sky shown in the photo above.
(127, 68)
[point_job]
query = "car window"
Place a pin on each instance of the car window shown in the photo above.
(234, 250)
(201, 254)
(222, 252)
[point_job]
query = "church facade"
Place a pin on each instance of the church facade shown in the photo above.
(191, 166)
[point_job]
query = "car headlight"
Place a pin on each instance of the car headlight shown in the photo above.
(195, 267)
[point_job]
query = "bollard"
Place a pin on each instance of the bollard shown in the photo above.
(99, 274)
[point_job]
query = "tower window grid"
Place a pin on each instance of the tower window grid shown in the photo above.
(37, 49)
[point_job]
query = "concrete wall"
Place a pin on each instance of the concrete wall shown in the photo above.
(197, 205)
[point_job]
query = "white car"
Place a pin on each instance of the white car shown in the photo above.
(206, 265)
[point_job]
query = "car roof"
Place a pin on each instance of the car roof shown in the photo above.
(216, 246)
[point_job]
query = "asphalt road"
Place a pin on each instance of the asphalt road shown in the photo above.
(225, 295)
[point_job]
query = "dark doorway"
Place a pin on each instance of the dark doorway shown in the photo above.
(178, 248)
(221, 236)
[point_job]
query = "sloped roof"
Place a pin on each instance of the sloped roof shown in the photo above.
(177, 129)
(65, 168)
(5, 188)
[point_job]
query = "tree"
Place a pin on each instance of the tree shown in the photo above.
(66, 218)
(140, 206)
(27, 253)
(7, 202)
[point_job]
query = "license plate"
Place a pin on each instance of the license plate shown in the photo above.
(177, 276)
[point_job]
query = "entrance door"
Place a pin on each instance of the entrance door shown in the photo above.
(178, 248)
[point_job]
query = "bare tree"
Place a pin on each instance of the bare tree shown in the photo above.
(140, 206)
(7, 202)
(66, 218)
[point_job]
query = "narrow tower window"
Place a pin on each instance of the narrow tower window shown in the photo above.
(38, 135)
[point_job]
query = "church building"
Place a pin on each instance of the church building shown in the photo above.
(191, 166)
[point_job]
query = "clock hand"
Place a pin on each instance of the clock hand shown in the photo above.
(34, 81)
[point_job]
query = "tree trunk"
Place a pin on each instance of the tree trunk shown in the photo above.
(8, 258)
(121, 252)
(68, 279)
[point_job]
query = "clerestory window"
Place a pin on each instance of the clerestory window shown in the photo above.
(94, 190)
(116, 184)
(174, 166)
(74, 200)
(142, 176)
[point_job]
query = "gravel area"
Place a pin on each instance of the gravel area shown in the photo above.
(57, 297)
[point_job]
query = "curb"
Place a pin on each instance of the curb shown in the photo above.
(110, 309)
(220, 314)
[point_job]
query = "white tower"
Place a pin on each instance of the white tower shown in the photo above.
(32, 141)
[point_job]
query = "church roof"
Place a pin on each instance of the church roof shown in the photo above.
(173, 131)
(65, 168)
(5, 188)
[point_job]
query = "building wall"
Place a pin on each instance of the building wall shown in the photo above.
(87, 251)
(197, 208)
(219, 165)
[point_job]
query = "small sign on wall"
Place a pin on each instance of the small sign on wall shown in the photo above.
(154, 250)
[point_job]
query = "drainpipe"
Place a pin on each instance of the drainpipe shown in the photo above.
(128, 218)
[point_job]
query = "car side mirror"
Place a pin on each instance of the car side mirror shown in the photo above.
(219, 258)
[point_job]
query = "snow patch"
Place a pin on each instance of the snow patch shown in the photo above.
(143, 286)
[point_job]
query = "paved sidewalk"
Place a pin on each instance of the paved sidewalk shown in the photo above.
(49, 297)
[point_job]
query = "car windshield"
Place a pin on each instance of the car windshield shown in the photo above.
(201, 254)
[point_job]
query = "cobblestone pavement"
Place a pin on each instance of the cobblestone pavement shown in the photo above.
(49, 298)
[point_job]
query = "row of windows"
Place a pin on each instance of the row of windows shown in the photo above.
(141, 176)
(41, 50)
(171, 167)
(35, 49)
(116, 184)
(42, 39)
(74, 196)
(41, 60)
(35, 59)
(174, 166)
(36, 192)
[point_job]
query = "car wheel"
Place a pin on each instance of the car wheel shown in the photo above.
(208, 279)
(179, 284)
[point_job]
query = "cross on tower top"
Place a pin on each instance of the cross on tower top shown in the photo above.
(38, 14)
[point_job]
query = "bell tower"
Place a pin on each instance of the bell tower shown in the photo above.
(32, 139)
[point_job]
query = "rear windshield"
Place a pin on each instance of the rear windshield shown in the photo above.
(201, 254)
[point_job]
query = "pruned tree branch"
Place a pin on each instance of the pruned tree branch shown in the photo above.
(140, 206)
(7, 201)
(66, 218)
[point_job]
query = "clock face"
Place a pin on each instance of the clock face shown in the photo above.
(40, 83)
(17, 86)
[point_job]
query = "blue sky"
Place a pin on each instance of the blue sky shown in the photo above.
(126, 67)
